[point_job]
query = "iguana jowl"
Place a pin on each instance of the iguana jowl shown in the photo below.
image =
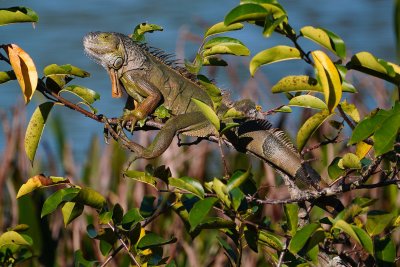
(152, 81)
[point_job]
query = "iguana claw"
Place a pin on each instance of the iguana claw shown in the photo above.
(128, 120)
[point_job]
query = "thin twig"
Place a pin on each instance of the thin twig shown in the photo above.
(125, 245)
(109, 258)
(344, 116)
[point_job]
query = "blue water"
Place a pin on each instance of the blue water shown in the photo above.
(365, 25)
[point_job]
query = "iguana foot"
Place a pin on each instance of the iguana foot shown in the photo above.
(128, 120)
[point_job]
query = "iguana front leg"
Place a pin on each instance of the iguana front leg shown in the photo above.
(147, 96)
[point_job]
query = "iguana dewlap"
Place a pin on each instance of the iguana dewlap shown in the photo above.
(151, 80)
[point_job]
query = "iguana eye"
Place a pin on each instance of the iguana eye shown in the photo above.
(118, 63)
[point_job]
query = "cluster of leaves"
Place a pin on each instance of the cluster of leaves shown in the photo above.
(231, 206)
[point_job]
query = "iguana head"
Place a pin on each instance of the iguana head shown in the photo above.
(107, 49)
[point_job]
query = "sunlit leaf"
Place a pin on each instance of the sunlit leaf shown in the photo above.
(245, 12)
(24, 70)
(222, 193)
(142, 28)
(200, 210)
(274, 54)
(296, 83)
(35, 129)
(6, 76)
(70, 211)
(329, 79)
(271, 24)
(12, 240)
(351, 110)
(310, 126)
(67, 69)
(39, 181)
(362, 149)
(271, 6)
(237, 196)
(307, 101)
(369, 64)
(350, 161)
(91, 197)
(358, 234)
(143, 177)
(220, 27)
(212, 90)
(270, 239)
(17, 14)
(208, 112)
(188, 184)
(84, 93)
(225, 45)
(238, 178)
(325, 38)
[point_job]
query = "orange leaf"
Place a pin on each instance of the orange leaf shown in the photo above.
(24, 69)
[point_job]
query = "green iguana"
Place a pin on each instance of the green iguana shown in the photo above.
(151, 80)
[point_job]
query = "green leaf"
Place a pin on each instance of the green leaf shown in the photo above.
(143, 177)
(200, 210)
(301, 237)
(236, 195)
(307, 101)
(238, 178)
(329, 79)
(270, 239)
(212, 90)
(80, 261)
(271, 6)
(162, 112)
(230, 252)
(296, 83)
(225, 45)
(385, 251)
(90, 197)
(368, 126)
(377, 221)
(350, 161)
(291, 212)
(67, 69)
(17, 14)
(365, 239)
(251, 236)
(220, 27)
(334, 170)
(271, 24)
(310, 126)
(272, 55)
(214, 61)
(35, 129)
(6, 76)
(132, 217)
(208, 112)
(57, 198)
(325, 38)
(142, 28)
(358, 234)
(369, 64)
(245, 12)
(188, 184)
(86, 94)
(70, 211)
(151, 240)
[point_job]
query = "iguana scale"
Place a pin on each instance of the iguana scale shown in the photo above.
(151, 80)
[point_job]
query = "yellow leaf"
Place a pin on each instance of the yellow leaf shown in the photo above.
(362, 149)
(24, 70)
(329, 78)
(33, 183)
